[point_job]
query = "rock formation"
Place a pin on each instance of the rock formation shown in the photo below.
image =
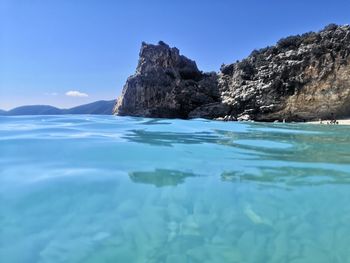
(166, 85)
(303, 77)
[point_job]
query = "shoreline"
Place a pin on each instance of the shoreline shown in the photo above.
(327, 122)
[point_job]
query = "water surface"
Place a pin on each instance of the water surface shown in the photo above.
(116, 189)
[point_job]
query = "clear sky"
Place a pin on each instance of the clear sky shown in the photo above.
(70, 52)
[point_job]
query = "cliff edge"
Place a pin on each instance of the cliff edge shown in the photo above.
(303, 77)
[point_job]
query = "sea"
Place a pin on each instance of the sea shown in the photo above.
(108, 189)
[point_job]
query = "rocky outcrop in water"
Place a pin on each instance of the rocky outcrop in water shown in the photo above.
(166, 84)
(302, 77)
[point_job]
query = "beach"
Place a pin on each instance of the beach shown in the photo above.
(339, 122)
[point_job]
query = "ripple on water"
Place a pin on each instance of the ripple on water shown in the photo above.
(119, 189)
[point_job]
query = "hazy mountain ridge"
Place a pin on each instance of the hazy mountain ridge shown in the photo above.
(103, 107)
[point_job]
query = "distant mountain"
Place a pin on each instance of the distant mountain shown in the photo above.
(97, 107)
(34, 110)
(103, 107)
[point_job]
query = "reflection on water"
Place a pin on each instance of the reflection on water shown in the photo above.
(155, 122)
(289, 176)
(169, 138)
(314, 145)
(160, 177)
(94, 189)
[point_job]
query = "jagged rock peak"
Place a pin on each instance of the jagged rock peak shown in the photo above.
(166, 84)
(163, 57)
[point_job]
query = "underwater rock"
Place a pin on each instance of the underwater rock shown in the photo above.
(101, 236)
(128, 208)
(197, 254)
(176, 258)
(190, 227)
(224, 253)
(176, 212)
(246, 242)
(254, 217)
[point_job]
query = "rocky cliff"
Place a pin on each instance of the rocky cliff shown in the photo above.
(166, 84)
(302, 77)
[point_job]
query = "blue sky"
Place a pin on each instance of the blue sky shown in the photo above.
(50, 48)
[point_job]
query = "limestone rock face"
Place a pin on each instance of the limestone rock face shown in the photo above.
(166, 84)
(303, 77)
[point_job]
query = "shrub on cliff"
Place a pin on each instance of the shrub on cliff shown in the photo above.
(310, 38)
(331, 27)
(247, 69)
(291, 42)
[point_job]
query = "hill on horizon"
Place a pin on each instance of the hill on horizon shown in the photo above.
(98, 107)
(101, 107)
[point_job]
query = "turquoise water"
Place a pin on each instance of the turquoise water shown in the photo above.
(117, 189)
